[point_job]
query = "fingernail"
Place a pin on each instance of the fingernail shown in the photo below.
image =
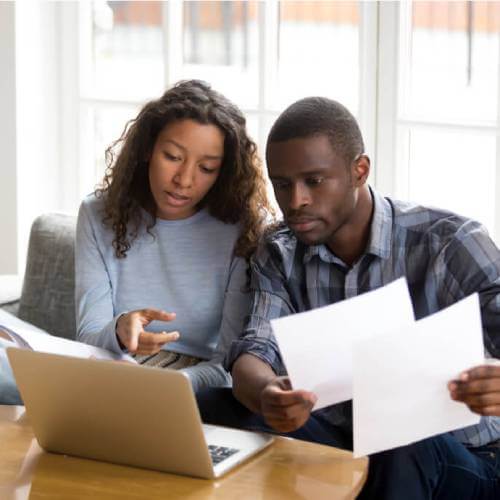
(464, 376)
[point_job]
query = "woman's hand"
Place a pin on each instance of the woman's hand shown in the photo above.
(479, 389)
(131, 334)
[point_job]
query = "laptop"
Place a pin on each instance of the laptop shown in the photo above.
(125, 414)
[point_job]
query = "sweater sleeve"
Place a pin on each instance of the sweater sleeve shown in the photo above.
(95, 318)
(235, 310)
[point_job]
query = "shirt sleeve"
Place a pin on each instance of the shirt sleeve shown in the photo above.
(270, 300)
(471, 263)
(95, 318)
(236, 307)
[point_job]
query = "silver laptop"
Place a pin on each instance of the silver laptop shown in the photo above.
(125, 414)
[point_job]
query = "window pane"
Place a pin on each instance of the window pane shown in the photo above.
(454, 170)
(126, 56)
(318, 52)
(101, 126)
(451, 67)
(221, 46)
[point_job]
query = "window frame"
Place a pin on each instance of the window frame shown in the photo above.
(383, 33)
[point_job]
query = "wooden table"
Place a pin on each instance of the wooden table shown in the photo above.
(288, 469)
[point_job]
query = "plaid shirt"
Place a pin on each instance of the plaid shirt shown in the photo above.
(444, 257)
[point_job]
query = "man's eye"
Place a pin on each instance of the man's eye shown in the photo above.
(280, 184)
(314, 181)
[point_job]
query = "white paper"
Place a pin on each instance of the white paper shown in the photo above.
(29, 336)
(400, 379)
(316, 345)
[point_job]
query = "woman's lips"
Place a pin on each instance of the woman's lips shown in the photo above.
(176, 199)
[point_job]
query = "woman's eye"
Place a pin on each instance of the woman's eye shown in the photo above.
(207, 170)
(170, 157)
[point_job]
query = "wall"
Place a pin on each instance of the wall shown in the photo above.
(29, 129)
(8, 177)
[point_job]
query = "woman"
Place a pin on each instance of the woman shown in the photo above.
(162, 245)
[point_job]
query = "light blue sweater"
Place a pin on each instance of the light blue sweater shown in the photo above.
(185, 266)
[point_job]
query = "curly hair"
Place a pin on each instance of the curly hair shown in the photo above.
(239, 194)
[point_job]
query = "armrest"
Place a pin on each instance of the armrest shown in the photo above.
(10, 292)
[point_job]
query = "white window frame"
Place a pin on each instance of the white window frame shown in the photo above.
(393, 124)
(379, 90)
(76, 95)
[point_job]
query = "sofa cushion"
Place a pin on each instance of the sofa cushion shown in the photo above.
(48, 294)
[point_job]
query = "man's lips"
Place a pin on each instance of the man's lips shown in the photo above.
(302, 224)
(177, 199)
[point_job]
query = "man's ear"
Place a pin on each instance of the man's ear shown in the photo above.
(361, 170)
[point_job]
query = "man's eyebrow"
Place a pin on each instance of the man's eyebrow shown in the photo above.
(180, 146)
(313, 171)
(307, 173)
(277, 178)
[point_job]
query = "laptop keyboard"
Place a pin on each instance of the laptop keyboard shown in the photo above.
(220, 453)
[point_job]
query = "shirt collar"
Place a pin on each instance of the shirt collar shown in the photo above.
(380, 241)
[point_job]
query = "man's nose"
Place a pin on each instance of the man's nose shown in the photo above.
(299, 196)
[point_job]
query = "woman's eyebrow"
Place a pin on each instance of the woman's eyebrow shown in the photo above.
(213, 157)
(180, 146)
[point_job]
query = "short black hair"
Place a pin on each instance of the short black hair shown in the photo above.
(313, 116)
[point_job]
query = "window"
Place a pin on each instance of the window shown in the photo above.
(448, 114)
(256, 53)
(422, 78)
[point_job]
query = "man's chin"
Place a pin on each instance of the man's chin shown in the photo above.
(309, 238)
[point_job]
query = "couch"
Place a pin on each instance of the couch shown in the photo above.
(46, 299)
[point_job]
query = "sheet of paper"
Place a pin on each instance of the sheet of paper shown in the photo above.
(29, 336)
(317, 345)
(400, 379)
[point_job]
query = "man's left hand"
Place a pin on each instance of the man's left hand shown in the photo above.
(479, 389)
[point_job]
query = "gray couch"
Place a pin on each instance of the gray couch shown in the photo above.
(47, 297)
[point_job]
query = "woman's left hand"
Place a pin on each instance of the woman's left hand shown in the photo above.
(479, 389)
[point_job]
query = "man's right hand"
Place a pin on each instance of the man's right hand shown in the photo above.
(284, 409)
(131, 334)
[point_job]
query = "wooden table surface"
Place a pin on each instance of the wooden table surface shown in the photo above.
(288, 469)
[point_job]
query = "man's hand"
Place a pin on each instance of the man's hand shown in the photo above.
(131, 334)
(479, 389)
(284, 409)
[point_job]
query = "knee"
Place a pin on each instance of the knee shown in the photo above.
(218, 406)
(9, 394)
(212, 401)
(417, 456)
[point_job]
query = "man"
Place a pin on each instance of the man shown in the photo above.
(340, 238)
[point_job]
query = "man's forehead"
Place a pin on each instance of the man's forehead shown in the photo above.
(308, 153)
(306, 145)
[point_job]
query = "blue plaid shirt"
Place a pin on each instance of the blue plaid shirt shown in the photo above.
(445, 257)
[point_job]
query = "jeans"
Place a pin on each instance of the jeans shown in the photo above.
(435, 468)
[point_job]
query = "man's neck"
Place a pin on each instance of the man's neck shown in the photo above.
(350, 242)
